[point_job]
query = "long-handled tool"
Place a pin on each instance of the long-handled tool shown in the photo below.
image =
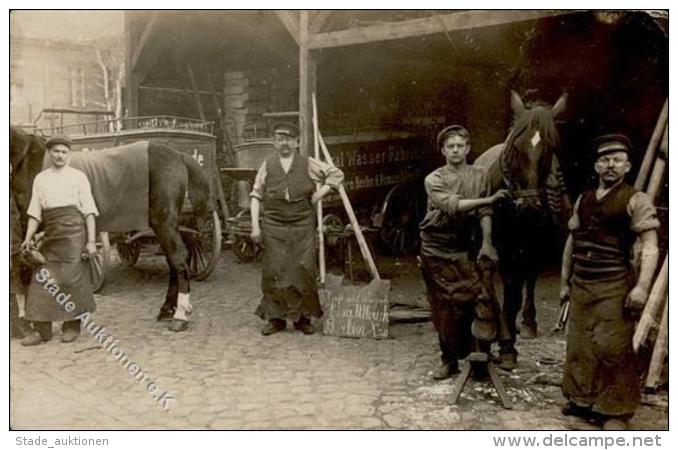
(351, 311)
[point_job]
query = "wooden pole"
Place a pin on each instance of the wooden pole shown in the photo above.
(661, 348)
(655, 183)
(307, 82)
(657, 296)
(364, 249)
(645, 167)
(196, 94)
(319, 207)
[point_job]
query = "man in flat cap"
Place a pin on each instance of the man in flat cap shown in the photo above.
(61, 289)
(285, 191)
(601, 380)
(457, 204)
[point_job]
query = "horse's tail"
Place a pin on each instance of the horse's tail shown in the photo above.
(198, 189)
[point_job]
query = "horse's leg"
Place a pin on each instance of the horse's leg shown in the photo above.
(168, 181)
(169, 307)
(178, 293)
(512, 302)
(528, 329)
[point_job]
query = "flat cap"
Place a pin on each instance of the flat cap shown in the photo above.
(286, 128)
(452, 129)
(55, 140)
(611, 143)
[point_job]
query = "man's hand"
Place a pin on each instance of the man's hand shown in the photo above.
(564, 293)
(316, 197)
(501, 193)
(488, 251)
(256, 235)
(635, 300)
(26, 245)
(91, 249)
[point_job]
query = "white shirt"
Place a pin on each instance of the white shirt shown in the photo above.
(61, 187)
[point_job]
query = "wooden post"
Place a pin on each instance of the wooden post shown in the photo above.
(319, 207)
(307, 85)
(661, 348)
(655, 183)
(196, 94)
(657, 295)
(645, 167)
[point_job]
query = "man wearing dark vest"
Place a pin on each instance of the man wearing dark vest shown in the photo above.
(601, 380)
(286, 187)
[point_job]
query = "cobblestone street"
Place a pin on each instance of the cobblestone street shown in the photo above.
(225, 375)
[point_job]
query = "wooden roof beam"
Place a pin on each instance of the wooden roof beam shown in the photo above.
(143, 40)
(320, 20)
(420, 27)
(291, 23)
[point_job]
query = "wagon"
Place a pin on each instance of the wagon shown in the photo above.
(187, 136)
(383, 181)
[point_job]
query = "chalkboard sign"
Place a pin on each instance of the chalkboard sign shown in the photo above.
(355, 311)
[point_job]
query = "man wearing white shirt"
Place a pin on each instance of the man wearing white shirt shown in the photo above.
(62, 203)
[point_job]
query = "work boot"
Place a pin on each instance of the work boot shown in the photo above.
(304, 325)
(615, 424)
(446, 370)
(70, 331)
(572, 409)
(508, 361)
(273, 326)
(33, 338)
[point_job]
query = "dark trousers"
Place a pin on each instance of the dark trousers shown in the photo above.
(45, 328)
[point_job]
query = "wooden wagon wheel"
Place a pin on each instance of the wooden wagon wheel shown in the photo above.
(101, 262)
(128, 252)
(204, 248)
(401, 211)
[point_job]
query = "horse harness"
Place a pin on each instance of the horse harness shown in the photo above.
(504, 162)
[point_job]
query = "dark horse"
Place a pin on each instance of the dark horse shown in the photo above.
(526, 166)
(170, 175)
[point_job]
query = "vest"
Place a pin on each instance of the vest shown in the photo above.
(603, 242)
(296, 182)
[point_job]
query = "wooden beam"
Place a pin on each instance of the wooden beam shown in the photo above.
(420, 27)
(307, 85)
(176, 90)
(319, 20)
(196, 95)
(143, 40)
(290, 23)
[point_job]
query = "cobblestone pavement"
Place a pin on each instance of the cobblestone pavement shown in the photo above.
(225, 375)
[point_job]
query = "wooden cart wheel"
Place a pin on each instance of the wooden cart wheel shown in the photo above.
(101, 262)
(129, 253)
(401, 211)
(204, 248)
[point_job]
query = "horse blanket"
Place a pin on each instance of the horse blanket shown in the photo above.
(119, 180)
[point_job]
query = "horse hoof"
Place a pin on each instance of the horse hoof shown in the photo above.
(165, 315)
(178, 325)
(528, 332)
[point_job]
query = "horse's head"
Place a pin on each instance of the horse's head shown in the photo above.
(26, 153)
(527, 157)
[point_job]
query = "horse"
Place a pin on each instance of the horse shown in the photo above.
(526, 165)
(170, 175)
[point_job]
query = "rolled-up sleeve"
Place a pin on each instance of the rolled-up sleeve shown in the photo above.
(442, 198)
(485, 192)
(323, 173)
(34, 207)
(85, 198)
(573, 223)
(259, 183)
(643, 213)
